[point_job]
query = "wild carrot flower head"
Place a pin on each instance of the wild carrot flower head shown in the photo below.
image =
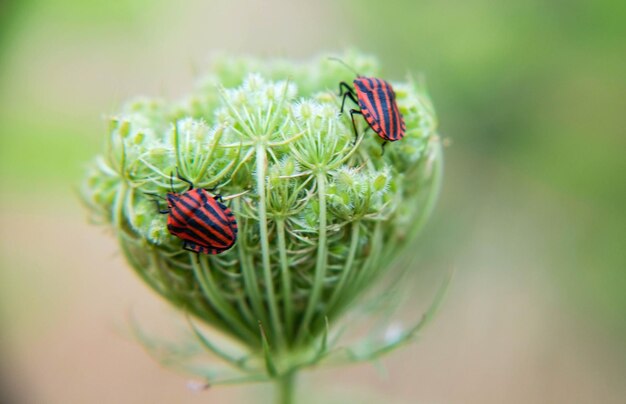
(320, 217)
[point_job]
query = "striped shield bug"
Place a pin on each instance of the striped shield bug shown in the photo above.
(202, 221)
(377, 102)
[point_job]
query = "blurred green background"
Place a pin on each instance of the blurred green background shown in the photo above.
(530, 95)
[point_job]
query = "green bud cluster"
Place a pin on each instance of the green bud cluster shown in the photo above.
(320, 217)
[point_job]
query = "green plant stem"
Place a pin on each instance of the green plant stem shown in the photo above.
(347, 271)
(286, 386)
(285, 276)
(222, 308)
(250, 283)
(265, 250)
(320, 267)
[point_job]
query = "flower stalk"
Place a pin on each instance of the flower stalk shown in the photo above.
(320, 265)
(261, 163)
(286, 388)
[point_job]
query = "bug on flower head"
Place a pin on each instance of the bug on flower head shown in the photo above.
(201, 220)
(377, 101)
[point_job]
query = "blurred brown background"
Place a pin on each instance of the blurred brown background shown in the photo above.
(531, 95)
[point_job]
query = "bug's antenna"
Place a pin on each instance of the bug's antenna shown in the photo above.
(155, 195)
(345, 65)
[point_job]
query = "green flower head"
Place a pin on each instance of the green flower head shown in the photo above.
(320, 216)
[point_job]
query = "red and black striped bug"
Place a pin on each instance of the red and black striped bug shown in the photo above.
(377, 101)
(202, 221)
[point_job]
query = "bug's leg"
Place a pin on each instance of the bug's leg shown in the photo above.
(213, 189)
(352, 113)
(156, 202)
(193, 251)
(382, 148)
(184, 180)
(161, 211)
(345, 87)
(155, 195)
(343, 101)
(191, 248)
(217, 197)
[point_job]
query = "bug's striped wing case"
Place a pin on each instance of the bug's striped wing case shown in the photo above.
(378, 105)
(204, 224)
